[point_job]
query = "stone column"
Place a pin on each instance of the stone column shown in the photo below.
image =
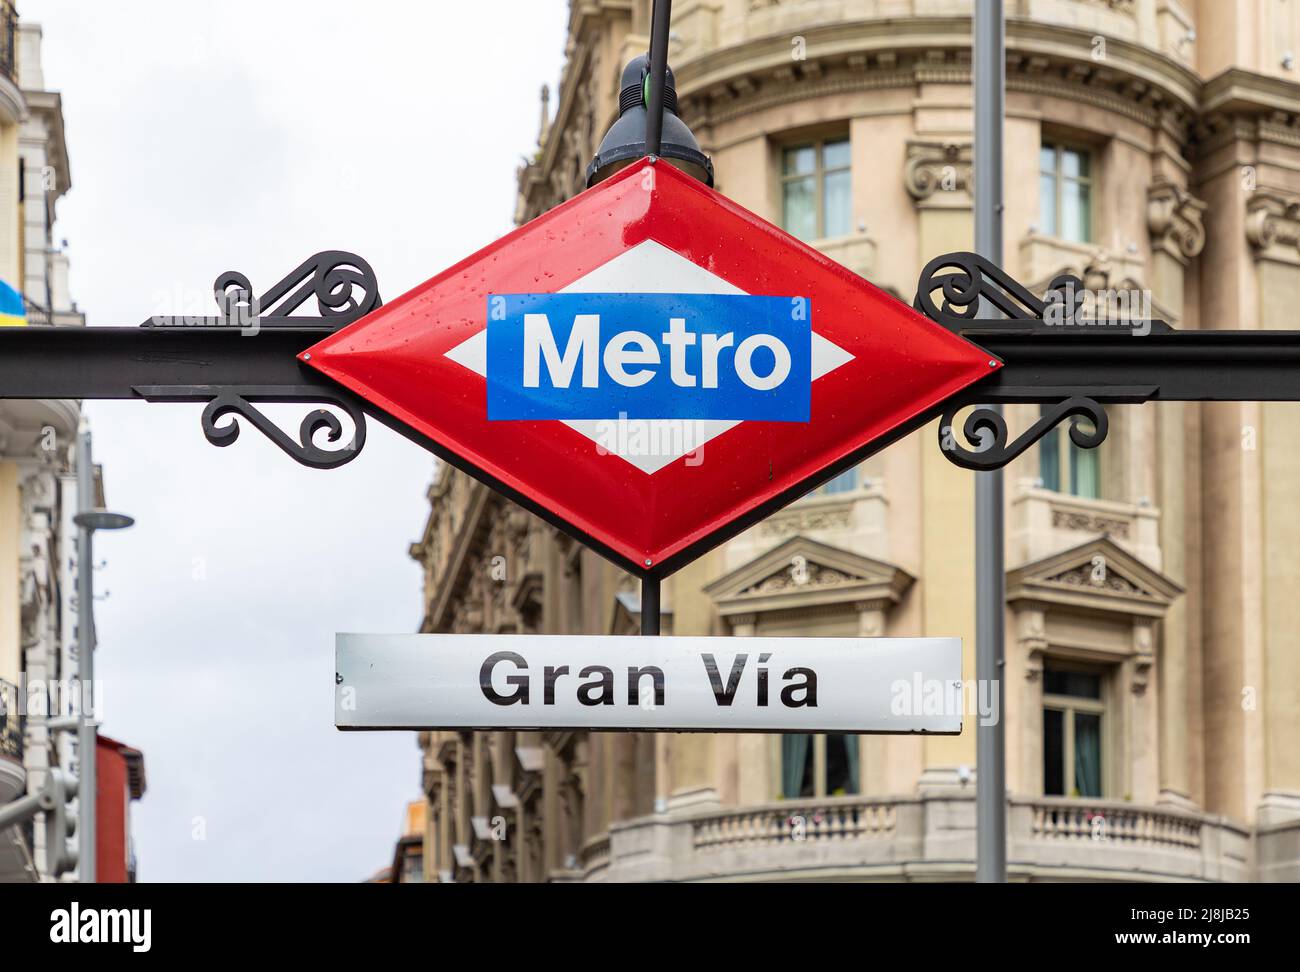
(873, 750)
(937, 176)
(1229, 605)
(1145, 761)
(688, 758)
(1022, 704)
(621, 760)
(1273, 228)
(751, 751)
(1174, 218)
(730, 750)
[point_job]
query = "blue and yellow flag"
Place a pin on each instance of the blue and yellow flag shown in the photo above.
(13, 313)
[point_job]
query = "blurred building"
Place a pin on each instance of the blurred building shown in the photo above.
(119, 783)
(1153, 684)
(407, 866)
(408, 854)
(37, 478)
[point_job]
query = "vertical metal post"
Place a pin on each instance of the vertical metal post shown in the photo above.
(88, 730)
(650, 605)
(654, 123)
(989, 63)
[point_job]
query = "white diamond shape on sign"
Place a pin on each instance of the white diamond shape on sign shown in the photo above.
(650, 268)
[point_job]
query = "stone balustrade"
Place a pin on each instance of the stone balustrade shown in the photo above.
(836, 818)
(926, 837)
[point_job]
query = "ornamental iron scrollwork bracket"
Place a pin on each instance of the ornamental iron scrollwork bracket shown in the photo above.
(968, 284)
(977, 298)
(343, 284)
(345, 290)
(995, 449)
(237, 401)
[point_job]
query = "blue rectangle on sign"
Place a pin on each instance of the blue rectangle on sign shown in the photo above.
(649, 356)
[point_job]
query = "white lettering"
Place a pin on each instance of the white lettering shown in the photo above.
(539, 341)
(618, 356)
(780, 363)
(678, 340)
(103, 925)
(630, 348)
(711, 348)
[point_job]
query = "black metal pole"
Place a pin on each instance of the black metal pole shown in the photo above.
(990, 581)
(654, 125)
(649, 605)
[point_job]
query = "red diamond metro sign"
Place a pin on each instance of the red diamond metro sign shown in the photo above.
(650, 367)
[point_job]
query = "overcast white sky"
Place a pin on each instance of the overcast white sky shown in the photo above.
(249, 135)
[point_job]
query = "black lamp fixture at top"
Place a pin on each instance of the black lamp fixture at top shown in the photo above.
(625, 142)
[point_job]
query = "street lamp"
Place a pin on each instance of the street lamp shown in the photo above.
(625, 142)
(88, 519)
(103, 520)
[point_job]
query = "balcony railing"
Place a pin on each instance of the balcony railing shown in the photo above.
(11, 722)
(830, 819)
(929, 836)
(8, 40)
(1108, 820)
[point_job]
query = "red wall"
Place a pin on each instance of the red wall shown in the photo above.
(110, 814)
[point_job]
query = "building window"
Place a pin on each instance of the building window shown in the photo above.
(816, 189)
(820, 765)
(1065, 192)
(1072, 731)
(1064, 467)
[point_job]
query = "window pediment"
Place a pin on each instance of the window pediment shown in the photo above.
(1098, 575)
(802, 572)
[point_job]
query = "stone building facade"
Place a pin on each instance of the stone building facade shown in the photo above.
(1153, 680)
(37, 437)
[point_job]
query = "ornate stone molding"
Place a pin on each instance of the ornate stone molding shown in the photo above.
(938, 169)
(1144, 657)
(1273, 226)
(803, 574)
(1174, 218)
(806, 575)
(738, 80)
(1096, 576)
(805, 520)
(1090, 523)
(1032, 636)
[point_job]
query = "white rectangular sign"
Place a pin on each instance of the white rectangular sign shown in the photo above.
(447, 681)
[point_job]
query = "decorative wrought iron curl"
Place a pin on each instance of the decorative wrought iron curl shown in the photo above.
(989, 428)
(343, 285)
(236, 401)
(963, 279)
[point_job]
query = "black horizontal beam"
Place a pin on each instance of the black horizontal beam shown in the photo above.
(112, 362)
(116, 362)
(1121, 367)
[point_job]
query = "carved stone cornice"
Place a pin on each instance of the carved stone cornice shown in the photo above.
(733, 80)
(938, 171)
(803, 575)
(1174, 219)
(804, 520)
(1273, 226)
(1095, 577)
